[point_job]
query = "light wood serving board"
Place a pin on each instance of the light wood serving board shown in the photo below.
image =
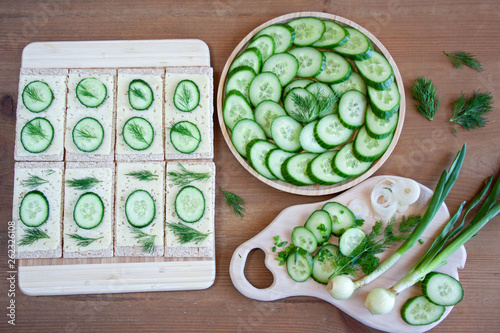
(64, 276)
(283, 286)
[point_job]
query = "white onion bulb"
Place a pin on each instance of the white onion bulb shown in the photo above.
(380, 301)
(340, 287)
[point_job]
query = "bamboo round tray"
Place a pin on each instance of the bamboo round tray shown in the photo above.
(312, 190)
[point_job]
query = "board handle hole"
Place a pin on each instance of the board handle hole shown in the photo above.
(256, 271)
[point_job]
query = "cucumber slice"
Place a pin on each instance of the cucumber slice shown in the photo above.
(368, 149)
(91, 92)
(330, 133)
(299, 83)
(285, 132)
(36, 135)
(304, 238)
(419, 311)
(88, 134)
(324, 263)
(307, 139)
(294, 169)
(140, 95)
(236, 107)
(308, 30)
(284, 65)
(274, 159)
(358, 47)
(251, 57)
(311, 61)
(379, 128)
(34, 209)
(325, 98)
(349, 240)
(140, 209)
(320, 224)
(336, 70)
(239, 80)
(442, 289)
(342, 217)
(138, 133)
(266, 112)
(37, 96)
(376, 71)
(352, 109)
(385, 102)
(265, 44)
(264, 87)
(354, 82)
(320, 169)
(245, 131)
(282, 34)
(190, 204)
(299, 265)
(186, 96)
(347, 165)
(89, 211)
(300, 104)
(257, 151)
(185, 137)
(335, 35)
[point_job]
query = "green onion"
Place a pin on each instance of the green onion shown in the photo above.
(450, 239)
(443, 187)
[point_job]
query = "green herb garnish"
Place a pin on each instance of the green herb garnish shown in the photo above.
(34, 128)
(33, 93)
(469, 111)
(83, 183)
(278, 242)
(83, 241)
(82, 90)
(144, 175)
(424, 93)
(283, 255)
(185, 97)
(324, 102)
(85, 133)
(49, 172)
(185, 177)
(138, 93)
(187, 234)
(33, 181)
(234, 201)
(137, 131)
(183, 130)
(146, 241)
(32, 235)
(461, 58)
(307, 108)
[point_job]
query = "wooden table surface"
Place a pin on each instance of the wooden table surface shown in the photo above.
(414, 32)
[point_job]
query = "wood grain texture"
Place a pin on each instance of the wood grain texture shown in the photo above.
(311, 190)
(415, 33)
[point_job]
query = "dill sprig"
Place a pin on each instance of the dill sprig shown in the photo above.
(138, 93)
(49, 172)
(85, 92)
(146, 241)
(307, 108)
(187, 234)
(185, 97)
(32, 93)
(83, 241)
(137, 131)
(364, 255)
(84, 133)
(183, 130)
(185, 177)
(424, 92)
(34, 128)
(234, 201)
(33, 181)
(83, 183)
(461, 58)
(32, 235)
(469, 111)
(324, 102)
(144, 175)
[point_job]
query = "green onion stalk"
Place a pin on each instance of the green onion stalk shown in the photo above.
(450, 239)
(342, 287)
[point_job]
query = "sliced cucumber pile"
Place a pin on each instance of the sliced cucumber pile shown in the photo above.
(311, 86)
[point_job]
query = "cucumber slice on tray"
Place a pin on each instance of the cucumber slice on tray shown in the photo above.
(185, 137)
(37, 135)
(140, 209)
(91, 92)
(140, 95)
(88, 134)
(138, 133)
(190, 204)
(37, 96)
(186, 96)
(89, 211)
(294, 87)
(34, 209)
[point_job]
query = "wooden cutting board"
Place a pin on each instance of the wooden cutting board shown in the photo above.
(119, 274)
(283, 286)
